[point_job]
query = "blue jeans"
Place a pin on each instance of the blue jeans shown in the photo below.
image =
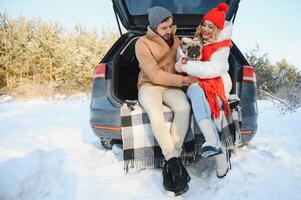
(202, 114)
(199, 104)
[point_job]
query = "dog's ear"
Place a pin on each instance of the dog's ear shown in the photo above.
(186, 40)
(196, 41)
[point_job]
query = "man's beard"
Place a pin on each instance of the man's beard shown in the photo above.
(170, 37)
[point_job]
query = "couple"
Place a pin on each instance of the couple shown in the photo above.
(208, 83)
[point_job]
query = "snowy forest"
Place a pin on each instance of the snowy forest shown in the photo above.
(42, 58)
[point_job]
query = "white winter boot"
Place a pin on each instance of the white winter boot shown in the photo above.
(223, 164)
(212, 146)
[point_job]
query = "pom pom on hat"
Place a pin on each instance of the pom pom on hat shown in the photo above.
(222, 7)
(217, 15)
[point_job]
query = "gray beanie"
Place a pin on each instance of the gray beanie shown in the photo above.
(156, 15)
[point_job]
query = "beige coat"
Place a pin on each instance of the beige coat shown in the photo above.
(157, 60)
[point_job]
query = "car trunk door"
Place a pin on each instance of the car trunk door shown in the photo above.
(187, 14)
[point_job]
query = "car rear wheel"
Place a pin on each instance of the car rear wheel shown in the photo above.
(108, 143)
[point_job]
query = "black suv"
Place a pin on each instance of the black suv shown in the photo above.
(115, 77)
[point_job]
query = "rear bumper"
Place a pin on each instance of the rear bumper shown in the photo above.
(106, 123)
(105, 119)
(247, 136)
(103, 133)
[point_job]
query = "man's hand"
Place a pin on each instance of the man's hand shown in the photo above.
(189, 79)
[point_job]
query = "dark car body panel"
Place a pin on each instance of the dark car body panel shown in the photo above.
(249, 109)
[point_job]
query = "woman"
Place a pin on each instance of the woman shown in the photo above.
(212, 91)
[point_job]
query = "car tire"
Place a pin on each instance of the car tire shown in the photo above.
(108, 143)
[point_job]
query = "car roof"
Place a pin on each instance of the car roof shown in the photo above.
(187, 14)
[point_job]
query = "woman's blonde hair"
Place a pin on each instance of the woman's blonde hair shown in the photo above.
(198, 33)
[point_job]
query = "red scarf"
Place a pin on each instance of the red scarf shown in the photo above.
(214, 88)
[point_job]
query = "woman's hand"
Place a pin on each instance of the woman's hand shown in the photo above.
(179, 65)
(184, 60)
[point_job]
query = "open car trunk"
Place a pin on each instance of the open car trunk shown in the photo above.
(133, 16)
(126, 72)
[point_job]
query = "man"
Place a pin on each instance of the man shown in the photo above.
(158, 83)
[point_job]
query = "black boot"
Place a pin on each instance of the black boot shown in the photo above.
(167, 178)
(184, 169)
(180, 185)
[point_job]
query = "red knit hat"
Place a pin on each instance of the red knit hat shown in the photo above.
(217, 15)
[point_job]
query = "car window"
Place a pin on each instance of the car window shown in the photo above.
(135, 7)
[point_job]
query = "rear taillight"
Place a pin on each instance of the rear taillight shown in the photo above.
(249, 74)
(100, 71)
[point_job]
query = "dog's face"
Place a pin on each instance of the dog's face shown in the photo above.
(191, 48)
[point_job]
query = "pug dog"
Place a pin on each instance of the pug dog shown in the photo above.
(192, 48)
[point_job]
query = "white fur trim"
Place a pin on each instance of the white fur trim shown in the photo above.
(226, 32)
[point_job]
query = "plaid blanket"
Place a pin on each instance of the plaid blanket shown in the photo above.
(141, 150)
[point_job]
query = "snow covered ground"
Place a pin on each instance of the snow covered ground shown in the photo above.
(47, 151)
